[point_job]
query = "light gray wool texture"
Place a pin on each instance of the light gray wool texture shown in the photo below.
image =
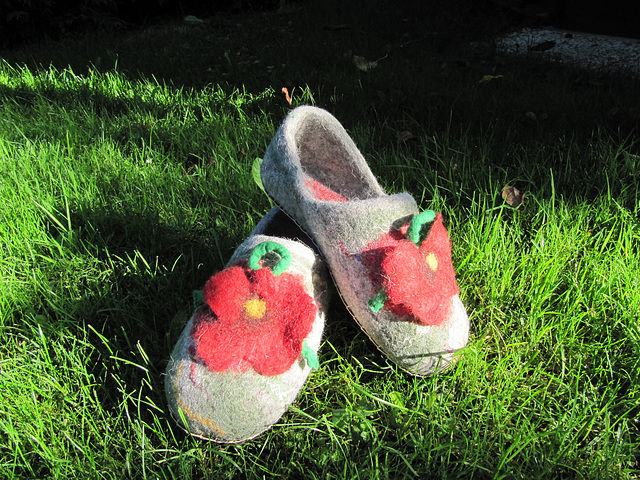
(311, 145)
(230, 406)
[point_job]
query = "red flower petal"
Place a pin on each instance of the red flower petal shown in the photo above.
(438, 242)
(291, 315)
(301, 310)
(232, 340)
(220, 347)
(406, 274)
(226, 292)
(265, 285)
(413, 288)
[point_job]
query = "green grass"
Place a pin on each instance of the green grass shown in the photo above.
(125, 182)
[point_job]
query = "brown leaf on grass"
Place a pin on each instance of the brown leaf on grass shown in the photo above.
(363, 64)
(404, 136)
(512, 196)
(488, 78)
(287, 97)
(192, 20)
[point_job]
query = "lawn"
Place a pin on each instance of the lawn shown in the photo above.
(126, 181)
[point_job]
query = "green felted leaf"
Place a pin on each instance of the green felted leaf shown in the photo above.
(255, 173)
(262, 249)
(377, 301)
(310, 356)
(414, 233)
(198, 298)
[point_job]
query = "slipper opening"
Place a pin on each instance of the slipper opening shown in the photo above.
(331, 171)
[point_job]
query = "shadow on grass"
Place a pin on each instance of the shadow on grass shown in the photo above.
(429, 61)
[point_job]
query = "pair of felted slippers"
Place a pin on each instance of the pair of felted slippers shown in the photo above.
(246, 353)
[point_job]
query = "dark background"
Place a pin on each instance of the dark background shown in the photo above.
(27, 21)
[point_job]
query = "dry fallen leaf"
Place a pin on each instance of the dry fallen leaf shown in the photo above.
(363, 64)
(488, 78)
(512, 196)
(285, 90)
(404, 136)
(193, 20)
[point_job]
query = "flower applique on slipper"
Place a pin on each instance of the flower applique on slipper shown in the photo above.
(406, 265)
(391, 264)
(246, 353)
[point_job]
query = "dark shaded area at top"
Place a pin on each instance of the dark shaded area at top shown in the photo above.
(23, 22)
(433, 55)
(615, 17)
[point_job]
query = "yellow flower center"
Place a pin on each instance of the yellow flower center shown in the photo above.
(255, 307)
(432, 261)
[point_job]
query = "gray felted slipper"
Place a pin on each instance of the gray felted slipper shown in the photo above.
(245, 354)
(391, 264)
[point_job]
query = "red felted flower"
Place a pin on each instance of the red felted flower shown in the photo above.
(416, 282)
(259, 321)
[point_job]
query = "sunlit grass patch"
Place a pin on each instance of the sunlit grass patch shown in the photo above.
(120, 194)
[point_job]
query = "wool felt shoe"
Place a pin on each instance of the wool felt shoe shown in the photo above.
(391, 264)
(247, 351)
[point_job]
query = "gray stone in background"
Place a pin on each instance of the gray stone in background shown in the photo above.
(586, 49)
